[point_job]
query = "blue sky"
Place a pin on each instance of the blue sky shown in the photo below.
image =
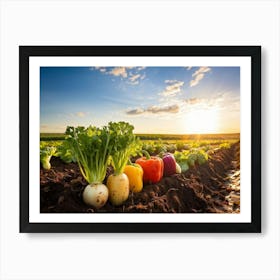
(176, 100)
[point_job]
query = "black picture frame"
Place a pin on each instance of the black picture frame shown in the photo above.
(254, 52)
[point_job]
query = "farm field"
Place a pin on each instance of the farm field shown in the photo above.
(156, 137)
(210, 187)
(140, 139)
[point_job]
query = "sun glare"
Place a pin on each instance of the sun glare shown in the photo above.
(200, 121)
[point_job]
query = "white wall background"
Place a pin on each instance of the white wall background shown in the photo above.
(138, 256)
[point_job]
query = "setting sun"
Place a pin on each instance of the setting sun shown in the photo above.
(201, 121)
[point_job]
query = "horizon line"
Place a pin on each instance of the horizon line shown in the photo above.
(143, 133)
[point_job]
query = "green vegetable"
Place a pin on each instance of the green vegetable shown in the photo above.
(46, 154)
(91, 148)
(65, 153)
(182, 160)
(192, 159)
(189, 158)
(124, 144)
(202, 157)
(149, 147)
(160, 147)
(184, 166)
(50, 143)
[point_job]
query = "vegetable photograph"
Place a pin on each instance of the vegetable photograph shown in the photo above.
(140, 139)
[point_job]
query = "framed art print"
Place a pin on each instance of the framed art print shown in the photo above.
(140, 138)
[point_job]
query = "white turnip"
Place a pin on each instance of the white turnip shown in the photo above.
(95, 195)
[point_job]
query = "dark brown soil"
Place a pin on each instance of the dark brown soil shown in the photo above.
(202, 189)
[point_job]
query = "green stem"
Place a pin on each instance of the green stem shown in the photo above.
(147, 155)
(82, 171)
(119, 162)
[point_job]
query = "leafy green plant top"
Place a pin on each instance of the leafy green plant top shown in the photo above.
(65, 153)
(91, 148)
(124, 144)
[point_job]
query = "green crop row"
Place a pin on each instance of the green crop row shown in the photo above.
(187, 153)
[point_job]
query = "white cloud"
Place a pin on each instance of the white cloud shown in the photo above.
(194, 100)
(101, 69)
(173, 88)
(225, 101)
(129, 73)
(136, 111)
(203, 103)
(198, 75)
(176, 85)
(134, 77)
(167, 109)
(170, 81)
(119, 71)
(202, 69)
(173, 109)
(196, 80)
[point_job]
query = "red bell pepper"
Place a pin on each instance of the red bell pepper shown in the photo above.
(152, 167)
